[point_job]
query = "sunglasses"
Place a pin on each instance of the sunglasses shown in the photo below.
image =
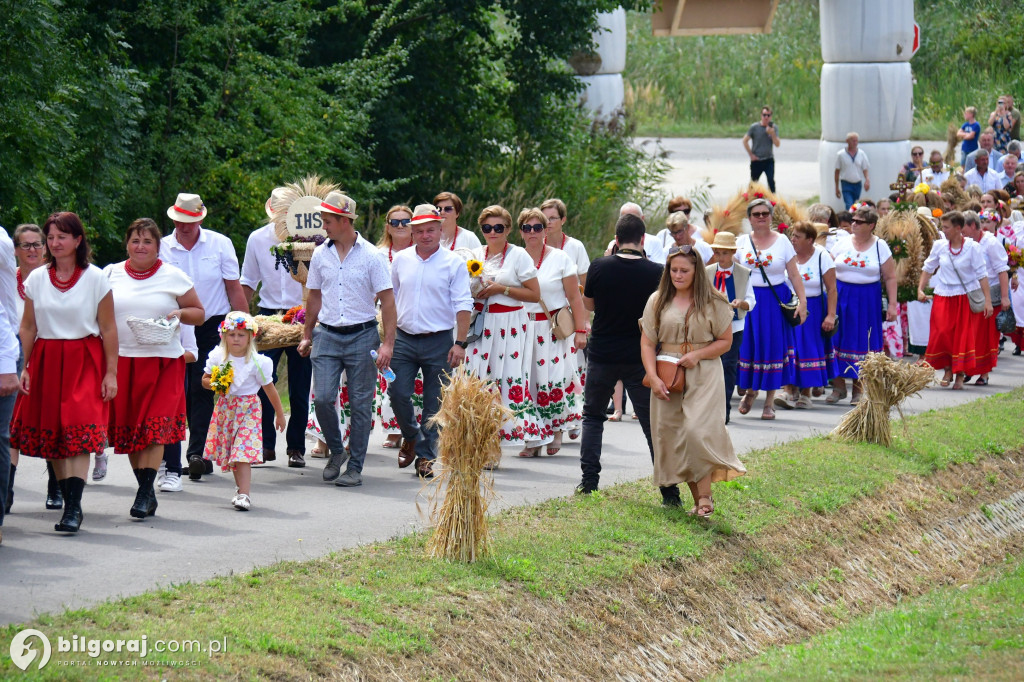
(917, 153)
(498, 228)
(765, 115)
(859, 221)
(446, 209)
(531, 227)
(760, 214)
(684, 249)
(30, 246)
(399, 222)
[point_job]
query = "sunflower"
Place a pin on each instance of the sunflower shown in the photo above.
(221, 377)
(475, 268)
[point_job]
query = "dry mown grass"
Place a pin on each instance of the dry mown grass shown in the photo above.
(688, 619)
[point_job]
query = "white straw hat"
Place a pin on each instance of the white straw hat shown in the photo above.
(188, 208)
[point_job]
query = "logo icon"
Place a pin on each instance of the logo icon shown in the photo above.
(22, 652)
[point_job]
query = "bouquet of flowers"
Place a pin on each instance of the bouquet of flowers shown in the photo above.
(221, 377)
(1014, 256)
(476, 276)
(295, 315)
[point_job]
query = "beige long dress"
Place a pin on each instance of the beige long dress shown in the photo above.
(688, 430)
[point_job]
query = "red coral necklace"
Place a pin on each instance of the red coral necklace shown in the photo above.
(21, 284)
(142, 274)
(64, 285)
(487, 255)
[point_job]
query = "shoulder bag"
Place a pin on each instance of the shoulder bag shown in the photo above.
(824, 304)
(562, 324)
(789, 310)
(476, 325)
(976, 298)
(669, 370)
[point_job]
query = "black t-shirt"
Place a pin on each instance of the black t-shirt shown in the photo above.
(620, 288)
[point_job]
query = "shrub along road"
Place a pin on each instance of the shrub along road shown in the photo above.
(197, 535)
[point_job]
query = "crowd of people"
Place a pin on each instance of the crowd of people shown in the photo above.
(129, 355)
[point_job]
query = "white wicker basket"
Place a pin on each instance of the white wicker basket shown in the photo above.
(153, 332)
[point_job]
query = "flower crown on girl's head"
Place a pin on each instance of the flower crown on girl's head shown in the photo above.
(238, 320)
(990, 215)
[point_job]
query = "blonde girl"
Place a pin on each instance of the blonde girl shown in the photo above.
(236, 372)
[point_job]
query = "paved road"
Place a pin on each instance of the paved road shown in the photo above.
(196, 534)
(724, 165)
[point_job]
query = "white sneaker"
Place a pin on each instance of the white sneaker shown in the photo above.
(241, 502)
(161, 473)
(99, 468)
(171, 483)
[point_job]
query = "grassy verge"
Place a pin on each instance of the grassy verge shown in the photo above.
(975, 632)
(301, 619)
(797, 129)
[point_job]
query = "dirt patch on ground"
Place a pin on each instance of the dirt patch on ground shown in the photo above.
(687, 619)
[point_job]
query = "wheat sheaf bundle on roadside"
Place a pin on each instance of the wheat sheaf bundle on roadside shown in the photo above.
(887, 383)
(470, 420)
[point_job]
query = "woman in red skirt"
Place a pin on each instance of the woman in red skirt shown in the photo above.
(958, 267)
(71, 373)
(149, 410)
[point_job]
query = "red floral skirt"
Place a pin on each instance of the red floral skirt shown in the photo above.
(149, 408)
(64, 414)
(959, 339)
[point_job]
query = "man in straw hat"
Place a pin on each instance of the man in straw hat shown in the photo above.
(209, 259)
(733, 280)
(346, 275)
(431, 296)
(279, 291)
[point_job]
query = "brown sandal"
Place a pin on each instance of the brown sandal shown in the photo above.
(705, 510)
(746, 403)
(768, 413)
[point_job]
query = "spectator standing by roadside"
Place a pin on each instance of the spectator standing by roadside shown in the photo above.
(278, 292)
(1001, 121)
(968, 134)
(851, 174)
(758, 142)
(209, 260)
(616, 292)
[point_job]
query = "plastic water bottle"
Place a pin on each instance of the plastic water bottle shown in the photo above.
(387, 372)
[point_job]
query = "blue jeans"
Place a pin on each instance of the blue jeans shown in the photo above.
(300, 373)
(333, 354)
(6, 412)
(412, 354)
(851, 192)
(601, 379)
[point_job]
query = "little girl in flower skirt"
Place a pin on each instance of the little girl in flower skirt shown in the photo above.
(236, 372)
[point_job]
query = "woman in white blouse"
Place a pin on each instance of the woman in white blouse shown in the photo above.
(815, 358)
(149, 410)
(767, 353)
(863, 263)
(553, 378)
(958, 266)
(503, 353)
(71, 374)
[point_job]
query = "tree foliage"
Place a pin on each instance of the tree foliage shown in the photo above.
(111, 109)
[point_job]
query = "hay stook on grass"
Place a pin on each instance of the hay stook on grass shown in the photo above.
(469, 444)
(887, 383)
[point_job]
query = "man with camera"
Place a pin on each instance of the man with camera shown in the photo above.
(764, 135)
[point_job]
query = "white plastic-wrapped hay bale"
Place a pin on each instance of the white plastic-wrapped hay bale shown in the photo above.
(875, 100)
(885, 159)
(611, 41)
(602, 95)
(867, 30)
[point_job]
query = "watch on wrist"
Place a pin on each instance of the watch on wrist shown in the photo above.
(462, 344)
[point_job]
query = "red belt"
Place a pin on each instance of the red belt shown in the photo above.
(497, 308)
(542, 316)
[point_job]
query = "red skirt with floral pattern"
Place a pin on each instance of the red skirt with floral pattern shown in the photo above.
(63, 414)
(149, 408)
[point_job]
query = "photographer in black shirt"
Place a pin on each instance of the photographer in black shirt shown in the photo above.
(617, 290)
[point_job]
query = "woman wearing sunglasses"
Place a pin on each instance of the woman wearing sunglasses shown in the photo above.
(397, 236)
(687, 320)
(863, 264)
(554, 380)
(767, 355)
(504, 353)
(453, 237)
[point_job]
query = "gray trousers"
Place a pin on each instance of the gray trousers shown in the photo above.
(412, 354)
(350, 353)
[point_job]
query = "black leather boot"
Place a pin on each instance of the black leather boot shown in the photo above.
(72, 519)
(10, 491)
(145, 498)
(54, 491)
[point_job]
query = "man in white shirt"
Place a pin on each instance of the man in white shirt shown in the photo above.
(986, 141)
(935, 174)
(209, 259)
(851, 171)
(9, 351)
(1010, 165)
(652, 248)
(278, 292)
(431, 288)
(346, 275)
(554, 210)
(981, 175)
